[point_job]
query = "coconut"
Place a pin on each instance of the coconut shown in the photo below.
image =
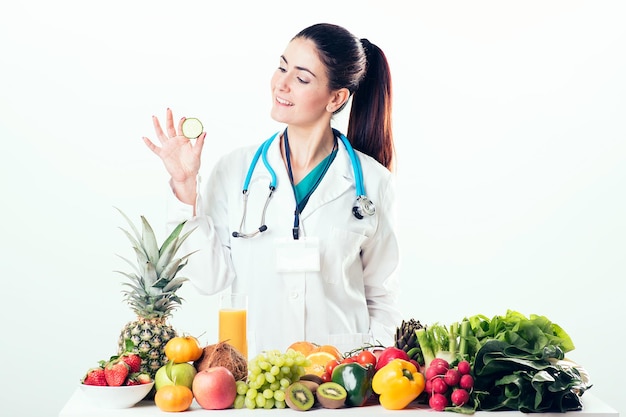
(223, 354)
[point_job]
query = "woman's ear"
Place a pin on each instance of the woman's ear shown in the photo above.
(338, 99)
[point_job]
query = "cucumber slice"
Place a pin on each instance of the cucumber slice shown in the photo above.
(192, 128)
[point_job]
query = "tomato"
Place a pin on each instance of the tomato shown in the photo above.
(173, 398)
(326, 377)
(181, 349)
(331, 365)
(366, 358)
(349, 359)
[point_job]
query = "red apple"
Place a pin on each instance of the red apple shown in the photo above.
(214, 388)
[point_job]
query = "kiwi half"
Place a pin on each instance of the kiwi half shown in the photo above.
(312, 377)
(299, 397)
(331, 395)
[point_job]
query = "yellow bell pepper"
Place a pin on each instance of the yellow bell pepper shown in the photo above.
(397, 384)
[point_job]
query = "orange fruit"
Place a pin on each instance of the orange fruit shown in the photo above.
(303, 346)
(318, 360)
(329, 349)
(173, 398)
(181, 349)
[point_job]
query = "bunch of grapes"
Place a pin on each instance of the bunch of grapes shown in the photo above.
(448, 386)
(269, 375)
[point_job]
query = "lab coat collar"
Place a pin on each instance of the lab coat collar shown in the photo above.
(338, 179)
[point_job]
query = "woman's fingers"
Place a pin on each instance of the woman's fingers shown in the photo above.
(157, 128)
(151, 146)
(169, 123)
(197, 148)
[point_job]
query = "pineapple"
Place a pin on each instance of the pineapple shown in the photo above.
(406, 339)
(151, 293)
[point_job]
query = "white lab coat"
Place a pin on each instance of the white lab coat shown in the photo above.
(351, 301)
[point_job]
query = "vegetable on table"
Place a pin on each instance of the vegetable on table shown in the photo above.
(398, 383)
(529, 380)
(357, 380)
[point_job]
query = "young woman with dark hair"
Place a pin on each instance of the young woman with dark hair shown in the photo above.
(304, 223)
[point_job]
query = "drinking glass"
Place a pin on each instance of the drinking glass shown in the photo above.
(233, 315)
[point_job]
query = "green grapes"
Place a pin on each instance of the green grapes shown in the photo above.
(269, 375)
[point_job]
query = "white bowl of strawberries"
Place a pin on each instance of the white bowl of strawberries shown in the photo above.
(117, 383)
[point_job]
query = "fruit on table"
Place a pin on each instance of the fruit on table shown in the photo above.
(173, 398)
(95, 376)
(116, 372)
(151, 292)
(133, 360)
(318, 362)
(303, 346)
(215, 388)
(397, 383)
(270, 373)
(181, 349)
(175, 374)
(299, 397)
(357, 381)
(331, 395)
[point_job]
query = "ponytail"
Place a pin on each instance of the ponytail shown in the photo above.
(369, 126)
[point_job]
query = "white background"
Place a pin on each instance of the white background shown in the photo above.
(510, 129)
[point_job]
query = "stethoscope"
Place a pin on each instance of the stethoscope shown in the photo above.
(363, 205)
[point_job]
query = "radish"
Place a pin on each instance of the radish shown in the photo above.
(452, 377)
(464, 367)
(441, 365)
(432, 373)
(439, 386)
(459, 397)
(438, 402)
(428, 387)
(466, 382)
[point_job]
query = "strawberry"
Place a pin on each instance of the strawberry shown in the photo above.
(116, 372)
(133, 360)
(144, 378)
(95, 376)
(138, 378)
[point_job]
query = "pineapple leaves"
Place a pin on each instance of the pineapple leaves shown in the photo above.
(151, 288)
(175, 284)
(149, 241)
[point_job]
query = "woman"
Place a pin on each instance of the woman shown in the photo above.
(319, 271)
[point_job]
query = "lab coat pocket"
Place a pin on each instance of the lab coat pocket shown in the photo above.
(342, 256)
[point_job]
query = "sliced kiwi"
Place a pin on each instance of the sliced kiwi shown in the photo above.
(299, 397)
(331, 395)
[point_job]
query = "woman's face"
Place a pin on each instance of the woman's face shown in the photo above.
(299, 85)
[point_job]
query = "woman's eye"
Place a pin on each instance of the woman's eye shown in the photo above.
(303, 81)
(282, 69)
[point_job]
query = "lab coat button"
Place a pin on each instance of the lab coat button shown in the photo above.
(294, 295)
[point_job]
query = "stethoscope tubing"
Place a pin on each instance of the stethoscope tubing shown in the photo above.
(363, 206)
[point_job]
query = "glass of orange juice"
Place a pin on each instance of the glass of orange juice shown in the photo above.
(233, 315)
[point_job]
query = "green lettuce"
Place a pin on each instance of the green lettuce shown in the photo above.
(508, 377)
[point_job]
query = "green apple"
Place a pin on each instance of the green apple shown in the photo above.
(175, 374)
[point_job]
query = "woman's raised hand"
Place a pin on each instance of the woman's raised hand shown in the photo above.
(180, 156)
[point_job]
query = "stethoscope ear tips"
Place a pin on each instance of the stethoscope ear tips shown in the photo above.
(363, 206)
(357, 212)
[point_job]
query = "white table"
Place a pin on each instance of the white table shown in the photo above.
(79, 406)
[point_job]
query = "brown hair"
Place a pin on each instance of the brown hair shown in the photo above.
(362, 68)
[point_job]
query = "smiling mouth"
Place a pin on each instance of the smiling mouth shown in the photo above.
(283, 102)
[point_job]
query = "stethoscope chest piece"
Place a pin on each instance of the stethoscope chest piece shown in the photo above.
(363, 207)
